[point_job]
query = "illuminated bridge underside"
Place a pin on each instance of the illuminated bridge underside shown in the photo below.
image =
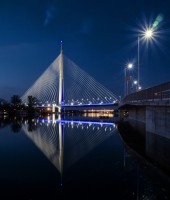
(102, 106)
(78, 86)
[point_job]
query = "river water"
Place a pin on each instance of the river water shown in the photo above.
(83, 157)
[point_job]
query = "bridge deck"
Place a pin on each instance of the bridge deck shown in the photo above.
(157, 95)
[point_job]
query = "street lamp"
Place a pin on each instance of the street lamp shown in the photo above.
(129, 66)
(135, 82)
(147, 34)
(139, 88)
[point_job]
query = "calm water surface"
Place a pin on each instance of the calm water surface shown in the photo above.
(81, 158)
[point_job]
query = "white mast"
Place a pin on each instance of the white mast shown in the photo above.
(60, 96)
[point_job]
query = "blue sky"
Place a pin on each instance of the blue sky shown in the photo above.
(99, 36)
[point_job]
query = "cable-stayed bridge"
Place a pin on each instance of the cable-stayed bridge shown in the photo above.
(64, 84)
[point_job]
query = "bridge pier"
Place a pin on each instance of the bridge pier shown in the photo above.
(158, 120)
(155, 118)
(53, 108)
(137, 113)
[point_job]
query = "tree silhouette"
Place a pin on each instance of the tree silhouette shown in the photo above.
(16, 101)
(31, 102)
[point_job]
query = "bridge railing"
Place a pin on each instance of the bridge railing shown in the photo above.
(157, 93)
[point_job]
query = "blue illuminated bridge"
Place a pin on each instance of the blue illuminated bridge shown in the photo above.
(65, 85)
(80, 107)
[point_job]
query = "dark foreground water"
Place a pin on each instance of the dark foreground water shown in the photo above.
(87, 158)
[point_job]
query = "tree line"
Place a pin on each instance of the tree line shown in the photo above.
(15, 106)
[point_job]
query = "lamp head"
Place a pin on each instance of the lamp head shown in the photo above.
(135, 82)
(149, 33)
(130, 66)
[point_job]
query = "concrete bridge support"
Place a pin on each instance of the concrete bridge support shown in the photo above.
(155, 118)
(137, 113)
(158, 120)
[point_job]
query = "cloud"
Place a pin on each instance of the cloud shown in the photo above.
(50, 14)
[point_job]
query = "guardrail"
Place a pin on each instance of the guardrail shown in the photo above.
(157, 93)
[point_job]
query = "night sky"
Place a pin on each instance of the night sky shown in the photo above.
(99, 36)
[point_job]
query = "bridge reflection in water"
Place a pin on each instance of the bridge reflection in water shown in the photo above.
(64, 142)
(89, 157)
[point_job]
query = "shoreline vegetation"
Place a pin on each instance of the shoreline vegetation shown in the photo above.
(15, 107)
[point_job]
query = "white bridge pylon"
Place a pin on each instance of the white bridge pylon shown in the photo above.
(64, 83)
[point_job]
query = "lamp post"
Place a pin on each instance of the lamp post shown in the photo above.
(129, 66)
(147, 34)
(138, 64)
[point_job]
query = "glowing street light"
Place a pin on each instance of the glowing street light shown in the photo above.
(129, 66)
(139, 88)
(135, 82)
(147, 34)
